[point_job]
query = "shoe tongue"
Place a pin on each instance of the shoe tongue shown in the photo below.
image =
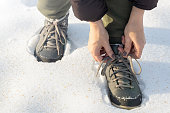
(51, 42)
(121, 74)
(115, 48)
(116, 52)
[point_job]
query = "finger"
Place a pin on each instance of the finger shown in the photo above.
(109, 50)
(98, 58)
(132, 51)
(123, 40)
(120, 49)
(137, 53)
(102, 52)
(97, 55)
(128, 44)
(95, 59)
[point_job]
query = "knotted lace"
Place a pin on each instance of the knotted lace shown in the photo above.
(121, 65)
(53, 36)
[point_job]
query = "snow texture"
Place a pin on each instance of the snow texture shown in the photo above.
(69, 85)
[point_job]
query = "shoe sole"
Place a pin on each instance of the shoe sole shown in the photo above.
(124, 107)
(40, 59)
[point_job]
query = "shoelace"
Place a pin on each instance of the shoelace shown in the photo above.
(55, 33)
(128, 70)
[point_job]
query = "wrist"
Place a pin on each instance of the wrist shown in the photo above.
(97, 24)
(136, 15)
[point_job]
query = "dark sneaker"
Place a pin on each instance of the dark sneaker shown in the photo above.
(124, 90)
(53, 37)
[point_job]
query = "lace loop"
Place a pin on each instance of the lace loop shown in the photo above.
(132, 67)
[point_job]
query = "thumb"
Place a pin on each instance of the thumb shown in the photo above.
(128, 45)
(109, 50)
(138, 52)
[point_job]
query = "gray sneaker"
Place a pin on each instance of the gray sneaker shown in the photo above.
(124, 90)
(53, 38)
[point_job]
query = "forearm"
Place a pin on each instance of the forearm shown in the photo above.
(136, 15)
(136, 18)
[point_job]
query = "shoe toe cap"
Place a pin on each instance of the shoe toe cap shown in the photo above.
(127, 101)
(48, 55)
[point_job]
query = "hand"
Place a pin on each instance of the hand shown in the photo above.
(98, 43)
(134, 38)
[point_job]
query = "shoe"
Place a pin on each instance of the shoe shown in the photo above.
(124, 90)
(53, 38)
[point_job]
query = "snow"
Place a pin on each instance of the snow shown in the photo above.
(70, 85)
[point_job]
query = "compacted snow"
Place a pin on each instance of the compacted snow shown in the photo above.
(70, 85)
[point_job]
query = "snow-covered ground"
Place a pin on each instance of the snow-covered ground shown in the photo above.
(69, 85)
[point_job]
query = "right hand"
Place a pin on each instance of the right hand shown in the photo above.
(98, 43)
(134, 37)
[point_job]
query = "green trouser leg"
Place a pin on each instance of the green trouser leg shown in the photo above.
(116, 18)
(53, 9)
